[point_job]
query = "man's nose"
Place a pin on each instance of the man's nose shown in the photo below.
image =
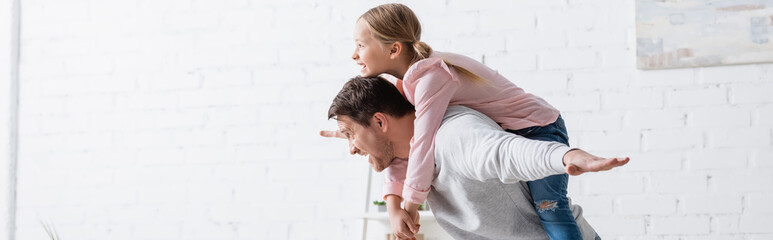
(352, 149)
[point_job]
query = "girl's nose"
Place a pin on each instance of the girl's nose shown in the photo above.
(354, 55)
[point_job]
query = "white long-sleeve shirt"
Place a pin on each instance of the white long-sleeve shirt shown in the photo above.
(491, 153)
(478, 187)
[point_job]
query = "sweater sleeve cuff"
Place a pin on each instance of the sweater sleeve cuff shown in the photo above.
(413, 195)
(393, 188)
(557, 159)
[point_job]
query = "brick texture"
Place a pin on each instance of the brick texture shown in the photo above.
(198, 119)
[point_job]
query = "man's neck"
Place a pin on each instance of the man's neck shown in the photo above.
(402, 134)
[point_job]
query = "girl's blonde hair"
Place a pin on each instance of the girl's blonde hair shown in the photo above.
(396, 22)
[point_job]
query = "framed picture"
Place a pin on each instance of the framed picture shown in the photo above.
(695, 33)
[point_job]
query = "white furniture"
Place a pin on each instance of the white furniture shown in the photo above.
(381, 228)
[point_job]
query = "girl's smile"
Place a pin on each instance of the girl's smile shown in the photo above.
(375, 57)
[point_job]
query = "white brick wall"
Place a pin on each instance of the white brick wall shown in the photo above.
(7, 96)
(198, 119)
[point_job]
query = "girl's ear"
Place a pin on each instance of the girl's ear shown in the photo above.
(395, 49)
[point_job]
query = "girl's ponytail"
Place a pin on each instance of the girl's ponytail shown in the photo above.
(421, 49)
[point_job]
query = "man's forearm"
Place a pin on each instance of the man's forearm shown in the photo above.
(522, 159)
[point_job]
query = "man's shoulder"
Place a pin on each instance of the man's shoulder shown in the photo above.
(456, 111)
(465, 118)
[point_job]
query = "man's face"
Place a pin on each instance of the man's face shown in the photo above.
(367, 141)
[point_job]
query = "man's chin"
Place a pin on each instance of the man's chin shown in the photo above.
(375, 167)
(381, 168)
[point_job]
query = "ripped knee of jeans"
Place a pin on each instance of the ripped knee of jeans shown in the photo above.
(546, 205)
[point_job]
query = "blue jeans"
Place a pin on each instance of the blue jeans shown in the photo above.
(549, 194)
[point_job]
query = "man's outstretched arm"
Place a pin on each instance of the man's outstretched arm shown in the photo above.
(479, 149)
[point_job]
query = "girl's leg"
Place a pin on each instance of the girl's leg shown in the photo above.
(552, 205)
(549, 194)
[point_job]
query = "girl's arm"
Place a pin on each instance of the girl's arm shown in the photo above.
(430, 92)
(394, 177)
(401, 222)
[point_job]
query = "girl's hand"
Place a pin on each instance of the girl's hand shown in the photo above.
(335, 134)
(402, 224)
(413, 211)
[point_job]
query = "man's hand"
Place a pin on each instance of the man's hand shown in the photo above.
(328, 133)
(337, 134)
(578, 162)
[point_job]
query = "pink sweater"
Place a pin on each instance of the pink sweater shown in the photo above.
(431, 86)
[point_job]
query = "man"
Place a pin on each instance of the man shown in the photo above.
(478, 189)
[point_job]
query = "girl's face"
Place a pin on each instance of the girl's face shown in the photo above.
(372, 55)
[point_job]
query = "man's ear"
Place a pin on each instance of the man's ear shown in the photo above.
(395, 49)
(381, 122)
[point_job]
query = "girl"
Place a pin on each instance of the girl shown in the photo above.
(388, 42)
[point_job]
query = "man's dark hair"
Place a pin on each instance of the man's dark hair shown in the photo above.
(361, 97)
